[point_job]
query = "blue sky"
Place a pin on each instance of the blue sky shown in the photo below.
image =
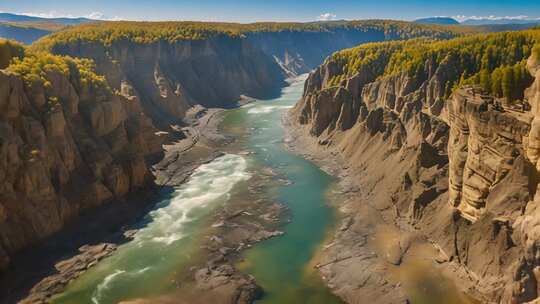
(271, 10)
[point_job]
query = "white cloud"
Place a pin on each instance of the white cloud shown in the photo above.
(462, 18)
(51, 14)
(327, 17)
(96, 15)
(101, 16)
(92, 15)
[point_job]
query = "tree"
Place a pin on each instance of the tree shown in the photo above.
(496, 62)
(507, 84)
(485, 80)
(496, 83)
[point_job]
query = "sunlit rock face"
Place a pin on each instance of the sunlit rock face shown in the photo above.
(533, 96)
(527, 226)
(463, 170)
(91, 149)
(483, 146)
(59, 158)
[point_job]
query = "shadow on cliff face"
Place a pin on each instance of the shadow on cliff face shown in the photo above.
(168, 77)
(105, 224)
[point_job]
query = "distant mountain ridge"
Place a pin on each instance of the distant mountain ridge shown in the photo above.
(9, 17)
(479, 21)
(27, 29)
(23, 34)
(486, 21)
(437, 20)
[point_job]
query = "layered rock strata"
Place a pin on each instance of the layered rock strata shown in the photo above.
(462, 170)
(169, 78)
(81, 149)
(65, 148)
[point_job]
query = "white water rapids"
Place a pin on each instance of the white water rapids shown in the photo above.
(151, 259)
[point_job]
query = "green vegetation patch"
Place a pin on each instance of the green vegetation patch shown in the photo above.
(497, 61)
(150, 32)
(36, 67)
(536, 50)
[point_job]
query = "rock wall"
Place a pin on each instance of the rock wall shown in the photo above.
(483, 146)
(299, 52)
(170, 77)
(61, 156)
(90, 149)
(526, 272)
(462, 171)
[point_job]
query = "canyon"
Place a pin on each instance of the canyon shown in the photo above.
(101, 144)
(72, 144)
(449, 177)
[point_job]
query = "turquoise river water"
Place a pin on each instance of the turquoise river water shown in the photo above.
(167, 242)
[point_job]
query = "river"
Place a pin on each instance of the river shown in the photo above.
(168, 239)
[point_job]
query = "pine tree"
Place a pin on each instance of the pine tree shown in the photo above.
(519, 82)
(507, 84)
(485, 80)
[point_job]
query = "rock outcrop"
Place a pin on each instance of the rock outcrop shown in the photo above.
(299, 52)
(526, 273)
(483, 147)
(65, 147)
(461, 170)
(169, 78)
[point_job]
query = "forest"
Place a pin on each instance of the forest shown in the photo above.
(496, 62)
(150, 32)
(35, 68)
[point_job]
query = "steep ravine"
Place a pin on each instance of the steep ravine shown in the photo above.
(452, 180)
(217, 71)
(67, 148)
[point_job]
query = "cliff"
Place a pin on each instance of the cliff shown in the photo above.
(171, 77)
(461, 170)
(174, 65)
(67, 144)
(76, 132)
(300, 51)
